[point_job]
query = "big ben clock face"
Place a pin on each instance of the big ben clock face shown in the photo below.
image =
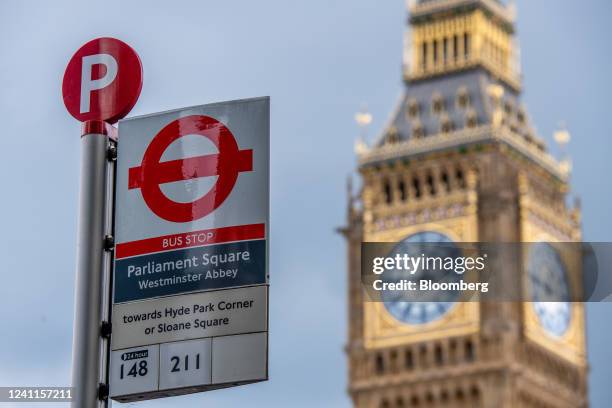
(422, 312)
(549, 288)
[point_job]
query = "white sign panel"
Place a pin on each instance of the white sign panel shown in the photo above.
(134, 370)
(192, 316)
(191, 256)
(188, 366)
(185, 364)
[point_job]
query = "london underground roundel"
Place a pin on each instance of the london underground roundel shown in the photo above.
(226, 164)
(102, 81)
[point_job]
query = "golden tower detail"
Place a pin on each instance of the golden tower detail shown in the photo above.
(460, 161)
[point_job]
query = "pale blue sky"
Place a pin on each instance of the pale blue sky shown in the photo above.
(319, 60)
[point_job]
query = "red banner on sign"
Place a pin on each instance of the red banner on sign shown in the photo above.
(190, 239)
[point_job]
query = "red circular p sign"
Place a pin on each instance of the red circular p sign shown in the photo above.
(102, 81)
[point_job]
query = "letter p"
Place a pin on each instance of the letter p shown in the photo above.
(88, 85)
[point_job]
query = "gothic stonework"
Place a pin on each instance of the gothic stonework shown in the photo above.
(461, 158)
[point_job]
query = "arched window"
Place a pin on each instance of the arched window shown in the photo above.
(416, 185)
(424, 55)
(392, 136)
(387, 192)
(423, 356)
(408, 360)
(444, 396)
(466, 45)
(413, 109)
(418, 131)
(402, 190)
(437, 104)
(455, 47)
(459, 395)
(445, 181)
(435, 52)
(459, 177)
(431, 186)
(520, 115)
(469, 351)
(453, 350)
(393, 358)
(471, 120)
(380, 364)
(463, 98)
(439, 356)
(384, 404)
(399, 402)
(447, 126)
(445, 49)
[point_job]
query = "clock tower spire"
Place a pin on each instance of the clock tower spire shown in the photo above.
(448, 36)
(460, 161)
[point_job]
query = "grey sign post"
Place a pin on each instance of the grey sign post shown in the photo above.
(98, 101)
(90, 348)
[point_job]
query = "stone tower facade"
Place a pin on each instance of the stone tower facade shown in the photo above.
(459, 158)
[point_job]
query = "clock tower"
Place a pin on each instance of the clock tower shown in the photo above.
(459, 161)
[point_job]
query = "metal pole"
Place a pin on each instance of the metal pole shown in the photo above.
(92, 291)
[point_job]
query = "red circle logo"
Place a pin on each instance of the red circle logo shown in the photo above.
(102, 81)
(226, 164)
